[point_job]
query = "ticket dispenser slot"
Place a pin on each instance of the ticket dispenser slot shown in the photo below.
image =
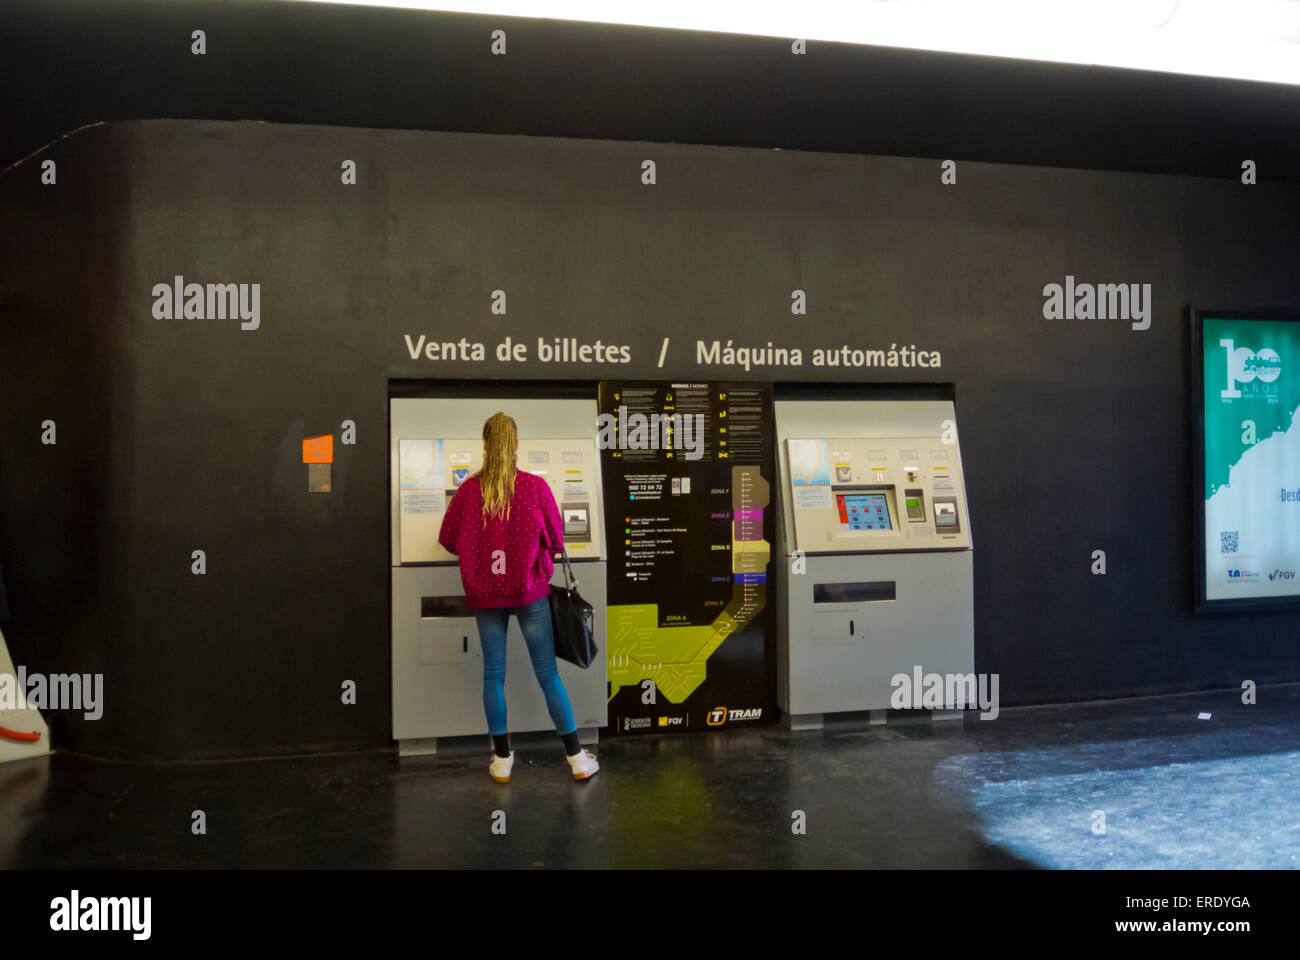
(431, 607)
(863, 592)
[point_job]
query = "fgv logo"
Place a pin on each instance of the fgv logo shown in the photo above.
(1282, 575)
(1245, 365)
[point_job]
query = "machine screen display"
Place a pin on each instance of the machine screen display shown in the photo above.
(863, 511)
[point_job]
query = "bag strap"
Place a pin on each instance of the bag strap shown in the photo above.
(570, 581)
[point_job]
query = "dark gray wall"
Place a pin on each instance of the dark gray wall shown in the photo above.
(1075, 434)
(63, 352)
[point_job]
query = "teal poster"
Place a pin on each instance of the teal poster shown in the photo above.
(1251, 392)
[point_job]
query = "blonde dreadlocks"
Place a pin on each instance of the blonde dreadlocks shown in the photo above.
(497, 477)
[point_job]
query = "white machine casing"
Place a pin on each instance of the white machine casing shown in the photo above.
(872, 504)
(437, 658)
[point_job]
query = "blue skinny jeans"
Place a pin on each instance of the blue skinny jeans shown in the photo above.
(535, 622)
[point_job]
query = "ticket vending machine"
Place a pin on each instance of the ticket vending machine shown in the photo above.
(876, 542)
(437, 660)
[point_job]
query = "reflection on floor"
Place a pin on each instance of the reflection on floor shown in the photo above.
(1023, 790)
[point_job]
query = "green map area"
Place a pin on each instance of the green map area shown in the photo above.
(676, 657)
(1258, 368)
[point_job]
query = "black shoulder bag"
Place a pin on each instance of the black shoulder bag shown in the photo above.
(571, 621)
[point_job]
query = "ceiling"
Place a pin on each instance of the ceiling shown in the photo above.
(66, 63)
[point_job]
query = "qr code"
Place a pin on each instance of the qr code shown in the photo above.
(1228, 541)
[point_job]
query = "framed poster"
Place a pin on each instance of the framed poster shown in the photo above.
(1246, 449)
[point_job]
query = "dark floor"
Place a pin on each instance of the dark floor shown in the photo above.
(1018, 791)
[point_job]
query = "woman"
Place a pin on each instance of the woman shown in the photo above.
(505, 527)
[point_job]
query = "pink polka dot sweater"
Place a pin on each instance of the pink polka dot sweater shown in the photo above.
(504, 562)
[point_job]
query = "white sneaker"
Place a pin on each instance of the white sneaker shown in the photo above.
(583, 765)
(500, 767)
